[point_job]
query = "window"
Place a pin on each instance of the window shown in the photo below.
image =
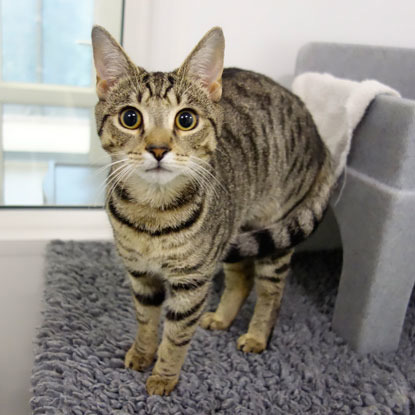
(47, 95)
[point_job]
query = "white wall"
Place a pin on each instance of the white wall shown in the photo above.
(263, 35)
(21, 280)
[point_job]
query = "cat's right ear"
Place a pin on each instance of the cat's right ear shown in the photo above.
(111, 62)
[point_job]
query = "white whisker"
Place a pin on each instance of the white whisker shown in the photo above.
(128, 168)
(198, 179)
(107, 166)
(206, 171)
(108, 179)
(203, 181)
(106, 182)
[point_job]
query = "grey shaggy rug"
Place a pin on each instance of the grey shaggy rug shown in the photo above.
(89, 324)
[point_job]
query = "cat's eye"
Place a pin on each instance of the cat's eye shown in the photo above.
(130, 118)
(186, 120)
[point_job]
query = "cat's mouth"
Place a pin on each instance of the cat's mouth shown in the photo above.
(158, 169)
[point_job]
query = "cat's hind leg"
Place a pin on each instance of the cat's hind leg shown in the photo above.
(149, 295)
(238, 284)
(270, 275)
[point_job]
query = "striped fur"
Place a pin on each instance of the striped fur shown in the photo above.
(247, 184)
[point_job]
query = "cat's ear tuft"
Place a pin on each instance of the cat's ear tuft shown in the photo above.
(205, 63)
(111, 62)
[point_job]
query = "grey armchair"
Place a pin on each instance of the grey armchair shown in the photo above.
(375, 213)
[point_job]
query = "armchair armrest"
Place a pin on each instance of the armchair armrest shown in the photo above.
(383, 145)
(390, 65)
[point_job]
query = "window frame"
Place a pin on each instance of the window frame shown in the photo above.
(107, 13)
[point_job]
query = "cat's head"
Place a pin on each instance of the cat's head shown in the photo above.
(158, 126)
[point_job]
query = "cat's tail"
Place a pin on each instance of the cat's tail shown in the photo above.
(296, 225)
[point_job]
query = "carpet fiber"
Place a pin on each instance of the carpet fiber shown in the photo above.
(89, 324)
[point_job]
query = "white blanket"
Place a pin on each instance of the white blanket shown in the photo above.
(337, 105)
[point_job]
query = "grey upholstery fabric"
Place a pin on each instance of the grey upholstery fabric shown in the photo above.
(375, 211)
(89, 324)
(384, 142)
(377, 276)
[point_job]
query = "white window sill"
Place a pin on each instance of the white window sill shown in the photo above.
(44, 224)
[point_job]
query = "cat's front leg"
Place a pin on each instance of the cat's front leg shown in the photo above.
(184, 308)
(149, 294)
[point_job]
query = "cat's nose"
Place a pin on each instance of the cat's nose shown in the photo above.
(158, 151)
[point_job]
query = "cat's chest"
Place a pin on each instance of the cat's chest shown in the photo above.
(138, 240)
(156, 238)
(141, 252)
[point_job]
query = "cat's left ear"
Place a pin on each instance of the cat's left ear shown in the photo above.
(205, 63)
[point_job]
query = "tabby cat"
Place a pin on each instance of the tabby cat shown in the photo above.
(209, 166)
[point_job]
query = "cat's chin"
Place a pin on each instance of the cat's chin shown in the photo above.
(158, 176)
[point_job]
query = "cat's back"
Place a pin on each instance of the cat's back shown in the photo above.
(257, 107)
(235, 77)
(247, 88)
(259, 104)
(270, 134)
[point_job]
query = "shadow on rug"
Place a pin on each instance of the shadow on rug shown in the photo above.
(89, 324)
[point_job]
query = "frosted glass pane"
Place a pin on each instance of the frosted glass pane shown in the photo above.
(47, 41)
(30, 128)
(19, 47)
(67, 59)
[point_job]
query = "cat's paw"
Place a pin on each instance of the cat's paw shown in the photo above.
(250, 344)
(137, 360)
(161, 385)
(210, 321)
